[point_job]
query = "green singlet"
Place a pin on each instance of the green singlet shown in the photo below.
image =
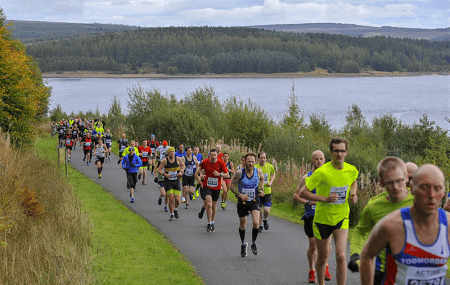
(326, 180)
(268, 170)
(377, 208)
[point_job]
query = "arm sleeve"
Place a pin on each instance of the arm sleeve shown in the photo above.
(314, 180)
(361, 231)
(139, 161)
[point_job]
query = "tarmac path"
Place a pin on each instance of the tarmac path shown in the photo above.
(216, 257)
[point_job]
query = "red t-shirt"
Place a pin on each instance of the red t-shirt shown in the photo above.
(144, 152)
(211, 181)
(87, 143)
(219, 156)
(69, 141)
(153, 144)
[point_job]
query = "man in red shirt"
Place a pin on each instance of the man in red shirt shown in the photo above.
(144, 153)
(210, 174)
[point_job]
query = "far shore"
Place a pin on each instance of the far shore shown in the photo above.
(315, 74)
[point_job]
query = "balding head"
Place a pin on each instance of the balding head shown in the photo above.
(411, 167)
(429, 171)
(428, 188)
(317, 159)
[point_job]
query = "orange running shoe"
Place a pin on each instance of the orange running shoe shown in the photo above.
(312, 276)
(327, 275)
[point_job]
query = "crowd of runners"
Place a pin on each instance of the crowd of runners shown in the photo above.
(401, 236)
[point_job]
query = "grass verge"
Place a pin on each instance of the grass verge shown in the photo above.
(126, 249)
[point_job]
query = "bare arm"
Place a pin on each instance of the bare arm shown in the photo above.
(234, 185)
(299, 188)
(378, 239)
(161, 166)
(261, 182)
(272, 178)
(182, 166)
(198, 174)
(447, 205)
(353, 196)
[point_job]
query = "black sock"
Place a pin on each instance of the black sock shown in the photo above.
(198, 186)
(242, 235)
(254, 235)
(99, 170)
(153, 168)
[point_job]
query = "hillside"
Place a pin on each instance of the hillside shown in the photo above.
(36, 31)
(364, 31)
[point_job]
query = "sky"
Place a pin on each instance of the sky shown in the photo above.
(159, 13)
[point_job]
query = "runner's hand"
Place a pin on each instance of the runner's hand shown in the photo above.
(353, 264)
(354, 198)
(332, 198)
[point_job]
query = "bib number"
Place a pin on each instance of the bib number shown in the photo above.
(173, 175)
(108, 141)
(434, 281)
(145, 154)
(266, 178)
(212, 182)
(189, 170)
(341, 192)
(250, 192)
(122, 147)
(68, 142)
(87, 144)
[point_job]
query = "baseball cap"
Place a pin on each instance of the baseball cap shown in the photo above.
(164, 143)
(170, 149)
(152, 136)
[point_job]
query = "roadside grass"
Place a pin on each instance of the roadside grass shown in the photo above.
(126, 249)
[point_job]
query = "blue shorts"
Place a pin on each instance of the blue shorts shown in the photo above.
(265, 201)
(161, 184)
(108, 145)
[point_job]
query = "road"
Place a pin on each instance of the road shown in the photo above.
(216, 257)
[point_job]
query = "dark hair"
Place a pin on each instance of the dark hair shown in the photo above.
(180, 143)
(213, 150)
(338, 140)
(187, 148)
(262, 152)
(250, 154)
(226, 153)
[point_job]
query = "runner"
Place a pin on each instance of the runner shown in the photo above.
(122, 144)
(334, 181)
(75, 135)
(199, 156)
(242, 165)
(87, 147)
(416, 236)
(227, 182)
(266, 201)
(411, 167)
(69, 144)
(392, 175)
(188, 181)
(100, 152)
(144, 153)
(61, 133)
(159, 179)
(173, 169)
(108, 142)
(317, 160)
(154, 144)
(161, 151)
(249, 183)
(131, 163)
(210, 171)
(180, 151)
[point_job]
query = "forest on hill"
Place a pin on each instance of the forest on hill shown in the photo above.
(38, 31)
(192, 50)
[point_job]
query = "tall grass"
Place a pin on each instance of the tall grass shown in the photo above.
(44, 235)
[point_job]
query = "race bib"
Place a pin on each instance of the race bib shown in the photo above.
(266, 178)
(108, 141)
(189, 170)
(341, 192)
(122, 147)
(250, 192)
(67, 141)
(212, 182)
(145, 154)
(428, 281)
(173, 175)
(87, 144)
(313, 207)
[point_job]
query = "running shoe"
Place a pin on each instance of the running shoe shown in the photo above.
(190, 196)
(171, 217)
(196, 193)
(153, 173)
(312, 276)
(143, 183)
(261, 229)
(223, 205)
(200, 214)
(139, 176)
(208, 228)
(266, 225)
(213, 228)
(327, 275)
(166, 209)
(132, 200)
(176, 214)
(84, 159)
(100, 175)
(254, 249)
(87, 163)
(109, 158)
(183, 200)
(193, 197)
(160, 201)
(244, 249)
(187, 206)
(118, 162)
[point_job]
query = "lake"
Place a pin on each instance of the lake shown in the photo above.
(407, 98)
